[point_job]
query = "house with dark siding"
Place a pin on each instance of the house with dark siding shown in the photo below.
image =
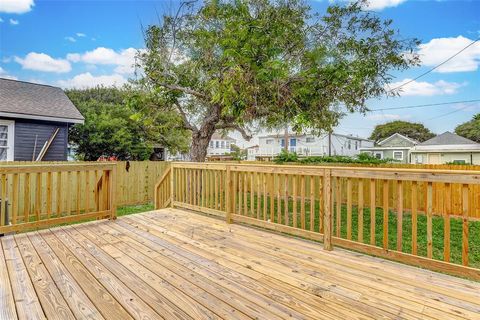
(33, 116)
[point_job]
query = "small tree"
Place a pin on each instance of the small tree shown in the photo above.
(231, 64)
(412, 130)
(109, 129)
(470, 129)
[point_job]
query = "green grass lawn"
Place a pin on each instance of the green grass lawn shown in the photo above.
(437, 226)
(126, 210)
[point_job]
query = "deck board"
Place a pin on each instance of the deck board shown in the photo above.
(174, 264)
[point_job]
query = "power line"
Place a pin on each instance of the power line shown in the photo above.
(448, 113)
(437, 66)
(425, 105)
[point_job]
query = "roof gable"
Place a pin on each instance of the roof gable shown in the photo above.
(448, 138)
(27, 100)
(399, 137)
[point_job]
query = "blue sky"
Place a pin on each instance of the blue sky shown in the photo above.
(84, 43)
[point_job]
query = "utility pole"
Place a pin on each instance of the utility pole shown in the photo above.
(329, 143)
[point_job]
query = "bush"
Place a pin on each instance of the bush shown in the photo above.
(364, 158)
(285, 156)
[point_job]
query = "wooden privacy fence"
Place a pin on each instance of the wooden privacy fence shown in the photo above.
(135, 180)
(365, 209)
(43, 195)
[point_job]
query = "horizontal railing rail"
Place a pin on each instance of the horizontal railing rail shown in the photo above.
(424, 217)
(43, 195)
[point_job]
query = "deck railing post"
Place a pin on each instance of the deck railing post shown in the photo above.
(172, 184)
(112, 187)
(228, 195)
(327, 198)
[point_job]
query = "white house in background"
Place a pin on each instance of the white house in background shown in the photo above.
(309, 145)
(446, 148)
(220, 145)
(396, 147)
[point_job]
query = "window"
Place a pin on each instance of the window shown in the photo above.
(223, 144)
(378, 154)
(6, 140)
(211, 144)
(356, 145)
(269, 141)
(419, 158)
(349, 144)
(398, 155)
(217, 144)
(310, 139)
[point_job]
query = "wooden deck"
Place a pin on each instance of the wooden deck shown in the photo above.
(175, 264)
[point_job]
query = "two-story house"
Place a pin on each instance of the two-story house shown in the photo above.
(308, 145)
(220, 145)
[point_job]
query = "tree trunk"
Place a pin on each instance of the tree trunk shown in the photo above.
(200, 141)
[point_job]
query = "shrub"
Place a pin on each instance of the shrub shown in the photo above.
(285, 156)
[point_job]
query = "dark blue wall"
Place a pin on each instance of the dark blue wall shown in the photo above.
(27, 130)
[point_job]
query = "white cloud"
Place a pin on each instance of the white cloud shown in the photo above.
(438, 50)
(1, 20)
(71, 39)
(43, 62)
(16, 6)
(423, 88)
(14, 22)
(87, 80)
(123, 59)
(382, 4)
(81, 35)
(4, 74)
(387, 116)
(74, 57)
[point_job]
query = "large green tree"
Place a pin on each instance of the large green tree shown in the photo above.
(233, 64)
(110, 128)
(470, 129)
(412, 130)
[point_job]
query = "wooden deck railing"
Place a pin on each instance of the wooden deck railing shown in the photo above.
(162, 191)
(63, 193)
(363, 209)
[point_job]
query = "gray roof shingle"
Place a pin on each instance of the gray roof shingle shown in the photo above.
(33, 100)
(447, 138)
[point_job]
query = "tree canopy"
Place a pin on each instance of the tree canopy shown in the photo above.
(110, 130)
(470, 129)
(412, 130)
(234, 64)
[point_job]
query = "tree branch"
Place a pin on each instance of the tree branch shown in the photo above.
(243, 132)
(185, 90)
(187, 123)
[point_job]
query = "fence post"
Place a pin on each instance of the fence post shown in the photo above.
(172, 185)
(228, 195)
(112, 187)
(327, 198)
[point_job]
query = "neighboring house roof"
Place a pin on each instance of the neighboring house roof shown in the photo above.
(282, 135)
(413, 141)
(27, 100)
(219, 136)
(447, 138)
(448, 141)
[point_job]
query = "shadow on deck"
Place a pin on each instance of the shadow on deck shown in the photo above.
(175, 264)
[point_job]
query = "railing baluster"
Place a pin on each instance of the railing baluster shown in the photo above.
(60, 193)
(414, 217)
(272, 197)
(49, 195)
(338, 199)
(252, 194)
(349, 208)
(447, 199)
(465, 225)
(294, 196)
(429, 220)
(399, 215)
(312, 204)
(15, 194)
(3, 207)
(26, 194)
(287, 213)
(259, 194)
(386, 210)
(373, 209)
(360, 210)
(302, 201)
(38, 195)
